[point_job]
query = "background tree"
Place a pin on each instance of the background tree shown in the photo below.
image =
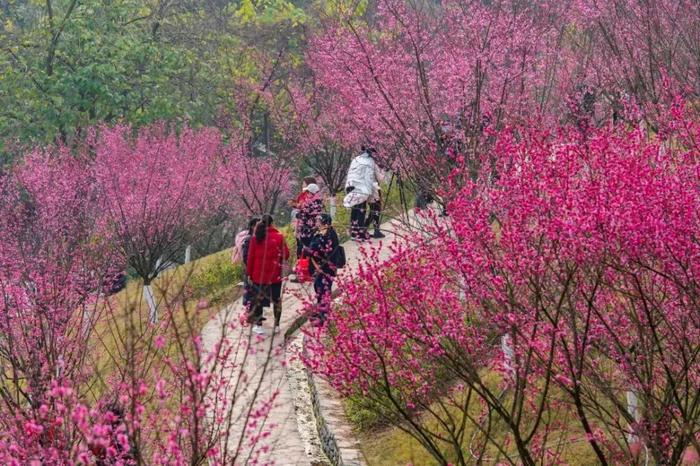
(158, 192)
(69, 65)
(86, 378)
(636, 54)
(423, 81)
(315, 136)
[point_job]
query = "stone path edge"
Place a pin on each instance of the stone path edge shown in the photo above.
(319, 442)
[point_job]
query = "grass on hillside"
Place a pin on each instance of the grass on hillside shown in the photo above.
(388, 446)
(209, 283)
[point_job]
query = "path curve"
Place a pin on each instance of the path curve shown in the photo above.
(284, 447)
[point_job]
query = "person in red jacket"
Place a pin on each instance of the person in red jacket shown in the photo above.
(266, 253)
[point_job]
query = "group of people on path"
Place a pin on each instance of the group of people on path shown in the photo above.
(264, 252)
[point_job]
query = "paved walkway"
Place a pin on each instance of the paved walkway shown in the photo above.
(265, 363)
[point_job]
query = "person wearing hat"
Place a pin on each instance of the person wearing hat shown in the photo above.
(308, 206)
(321, 250)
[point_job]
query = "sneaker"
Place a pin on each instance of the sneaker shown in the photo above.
(259, 330)
(378, 234)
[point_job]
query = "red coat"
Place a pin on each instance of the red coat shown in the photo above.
(303, 198)
(264, 265)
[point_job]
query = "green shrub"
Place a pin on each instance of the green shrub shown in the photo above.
(215, 274)
(288, 233)
(341, 222)
(362, 417)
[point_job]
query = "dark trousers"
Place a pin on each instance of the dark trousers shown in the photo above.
(423, 198)
(323, 284)
(358, 222)
(300, 248)
(375, 211)
(304, 241)
(261, 296)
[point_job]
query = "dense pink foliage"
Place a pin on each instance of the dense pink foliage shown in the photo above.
(156, 191)
(72, 220)
(52, 259)
(399, 80)
(427, 84)
(638, 48)
(564, 283)
(585, 253)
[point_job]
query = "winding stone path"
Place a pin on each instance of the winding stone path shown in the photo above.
(286, 447)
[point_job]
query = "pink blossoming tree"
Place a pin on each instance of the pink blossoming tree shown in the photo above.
(157, 191)
(85, 378)
(423, 82)
(556, 306)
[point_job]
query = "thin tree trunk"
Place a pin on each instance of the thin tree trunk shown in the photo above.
(633, 409)
(507, 348)
(152, 306)
(332, 207)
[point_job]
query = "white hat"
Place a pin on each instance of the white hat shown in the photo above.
(312, 188)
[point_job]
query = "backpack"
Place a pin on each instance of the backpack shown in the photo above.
(338, 257)
(237, 252)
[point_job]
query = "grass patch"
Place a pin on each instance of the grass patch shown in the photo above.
(383, 445)
(192, 293)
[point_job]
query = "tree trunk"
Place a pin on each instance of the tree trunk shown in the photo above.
(332, 207)
(507, 348)
(633, 409)
(152, 306)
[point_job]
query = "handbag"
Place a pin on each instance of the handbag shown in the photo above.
(338, 257)
(302, 269)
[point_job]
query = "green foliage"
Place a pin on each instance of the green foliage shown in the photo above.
(66, 65)
(270, 12)
(360, 415)
(85, 63)
(288, 233)
(215, 273)
(344, 8)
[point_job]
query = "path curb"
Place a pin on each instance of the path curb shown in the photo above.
(319, 442)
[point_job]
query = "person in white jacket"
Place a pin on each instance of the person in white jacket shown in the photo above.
(363, 175)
